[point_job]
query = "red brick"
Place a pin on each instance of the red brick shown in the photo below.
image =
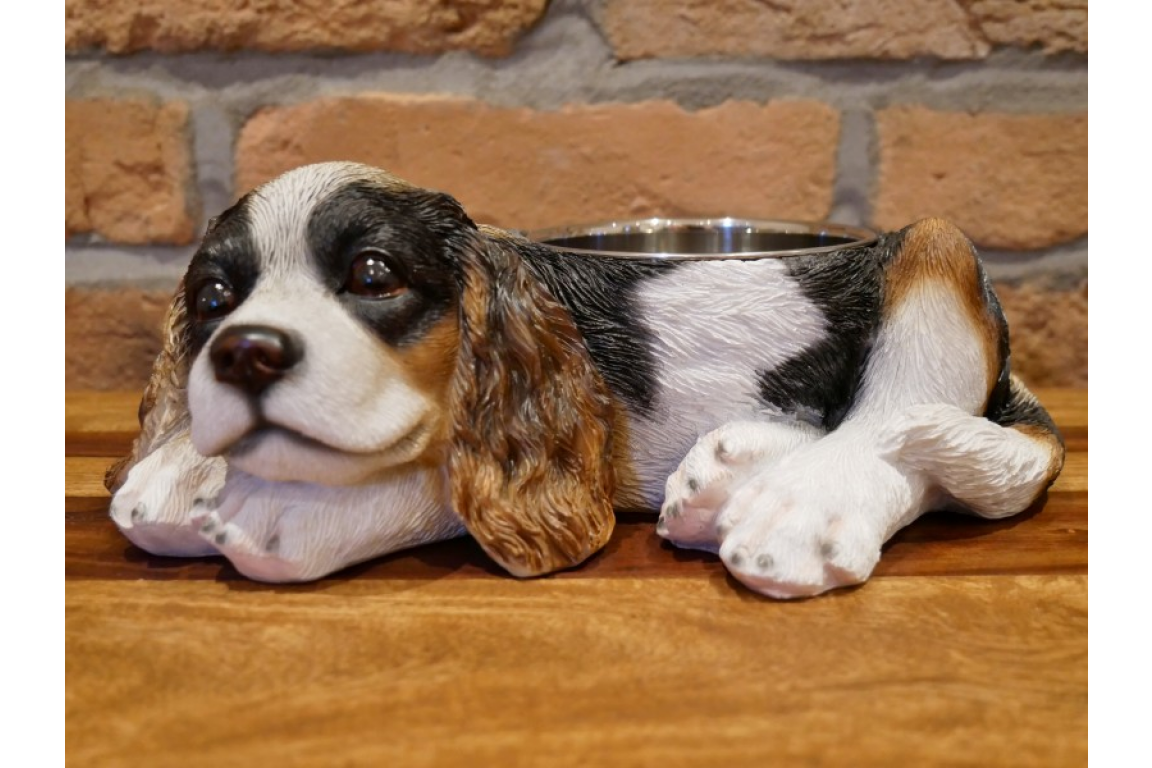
(125, 26)
(837, 29)
(127, 171)
(1008, 181)
(1049, 333)
(525, 168)
(814, 29)
(112, 336)
(1054, 25)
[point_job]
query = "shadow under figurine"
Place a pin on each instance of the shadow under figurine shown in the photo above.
(352, 367)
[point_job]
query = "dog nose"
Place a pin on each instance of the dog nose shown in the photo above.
(253, 357)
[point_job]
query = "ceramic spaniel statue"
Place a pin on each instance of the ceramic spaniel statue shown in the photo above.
(352, 367)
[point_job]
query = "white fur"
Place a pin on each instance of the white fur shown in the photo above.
(299, 531)
(717, 326)
(928, 351)
(345, 373)
(721, 461)
(983, 467)
(280, 211)
(178, 503)
(815, 517)
(154, 507)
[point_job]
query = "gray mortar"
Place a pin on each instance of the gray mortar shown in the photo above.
(850, 203)
(92, 265)
(565, 59)
(1061, 267)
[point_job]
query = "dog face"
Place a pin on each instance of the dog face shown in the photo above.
(337, 322)
(323, 327)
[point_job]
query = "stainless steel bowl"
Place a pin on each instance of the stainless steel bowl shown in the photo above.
(704, 239)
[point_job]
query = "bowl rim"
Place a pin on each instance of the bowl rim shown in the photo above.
(857, 236)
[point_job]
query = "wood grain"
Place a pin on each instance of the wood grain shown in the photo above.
(1067, 407)
(1074, 476)
(974, 671)
(84, 489)
(100, 423)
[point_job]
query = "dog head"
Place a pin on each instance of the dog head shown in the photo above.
(337, 322)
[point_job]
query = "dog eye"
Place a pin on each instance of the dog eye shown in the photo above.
(371, 276)
(214, 298)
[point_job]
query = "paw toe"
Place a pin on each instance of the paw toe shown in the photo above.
(783, 560)
(849, 561)
(168, 540)
(267, 565)
(688, 526)
(771, 570)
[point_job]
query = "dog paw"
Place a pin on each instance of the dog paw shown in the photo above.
(255, 546)
(291, 532)
(796, 534)
(719, 462)
(260, 532)
(157, 506)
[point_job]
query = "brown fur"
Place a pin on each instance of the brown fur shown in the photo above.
(1050, 443)
(530, 463)
(429, 366)
(430, 363)
(628, 486)
(934, 249)
(164, 406)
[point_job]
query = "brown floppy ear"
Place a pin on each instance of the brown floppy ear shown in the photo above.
(163, 411)
(530, 463)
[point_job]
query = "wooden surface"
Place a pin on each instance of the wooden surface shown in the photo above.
(968, 647)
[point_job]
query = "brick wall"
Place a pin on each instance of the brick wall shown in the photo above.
(871, 112)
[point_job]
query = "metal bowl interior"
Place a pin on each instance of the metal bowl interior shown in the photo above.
(701, 239)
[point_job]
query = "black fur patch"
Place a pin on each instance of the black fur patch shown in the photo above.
(1015, 408)
(820, 384)
(227, 253)
(1001, 391)
(408, 227)
(1007, 405)
(599, 292)
(1018, 409)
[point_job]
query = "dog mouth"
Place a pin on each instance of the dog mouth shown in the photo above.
(276, 453)
(261, 434)
(266, 432)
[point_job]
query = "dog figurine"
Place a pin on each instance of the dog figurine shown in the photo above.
(352, 367)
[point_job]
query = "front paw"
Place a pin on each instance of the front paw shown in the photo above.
(156, 508)
(255, 545)
(720, 462)
(799, 533)
(792, 548)
(291, 532)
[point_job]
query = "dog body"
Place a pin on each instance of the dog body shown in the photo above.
(353, 367)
